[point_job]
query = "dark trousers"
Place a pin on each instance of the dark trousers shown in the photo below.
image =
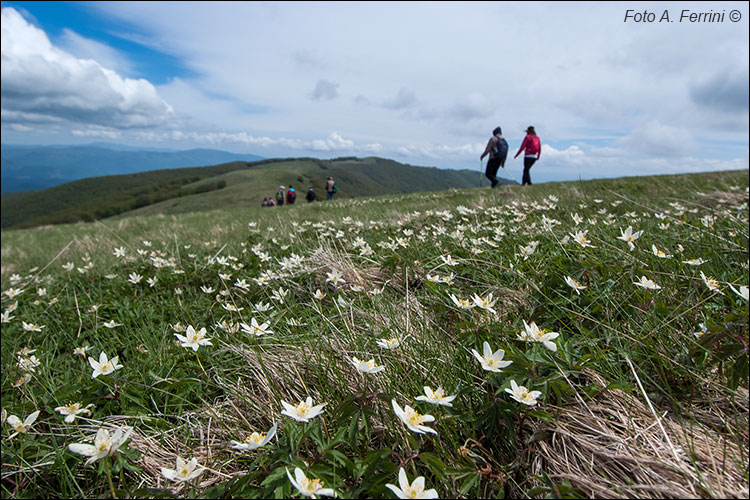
(491, 173)
(527, 163)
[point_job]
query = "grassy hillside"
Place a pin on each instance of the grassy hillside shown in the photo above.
(240, 184)
(614, 314)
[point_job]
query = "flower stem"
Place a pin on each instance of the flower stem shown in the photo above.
(200, 364)
(109, 478)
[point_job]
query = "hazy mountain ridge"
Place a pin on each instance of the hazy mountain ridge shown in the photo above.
(40, 167)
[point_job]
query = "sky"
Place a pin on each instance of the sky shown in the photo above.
(612, 89)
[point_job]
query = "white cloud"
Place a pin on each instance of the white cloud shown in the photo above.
(106, 134)
(658, 140)
(40, 80)
(85, 48)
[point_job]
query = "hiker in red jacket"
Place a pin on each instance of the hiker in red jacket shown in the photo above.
(533, 147)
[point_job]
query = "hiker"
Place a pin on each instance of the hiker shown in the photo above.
(271, 203)
(265, 202)
(331, 188)
(280, 196)
(310, 194)
(291, 195)
(497, 148)
(533, 147)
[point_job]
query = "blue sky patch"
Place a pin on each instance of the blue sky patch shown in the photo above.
(54, 17)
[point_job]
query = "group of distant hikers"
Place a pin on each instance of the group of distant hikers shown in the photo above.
(497, 148)
(289, 196)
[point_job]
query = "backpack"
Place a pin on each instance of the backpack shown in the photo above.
(293, 194)
(500, 149)
(335, 187)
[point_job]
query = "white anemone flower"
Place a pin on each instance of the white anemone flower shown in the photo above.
(366, 366)
(71, 411)
(304, 411)
(574, 285)
(256, 329)
(104, 444)
(193, 339)
(647, 284)
(629, 236)
(581, 238)
(255, 440)
(462, 303)
(390, 343)
(436, 397)
(413, 419)
(660, 253)
(22, 427)
(413, 490)
(104, 366)
(522, 394)
(308, 487)
(533, 333)
(184, 471)
(485, 303)
(711, 283)
(492, 362)
(335, 277)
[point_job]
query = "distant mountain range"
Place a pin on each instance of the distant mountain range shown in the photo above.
(220, 187)
(40, 167)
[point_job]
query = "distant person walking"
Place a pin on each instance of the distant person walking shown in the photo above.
(331, 188)
(533, 147)
(280, 196)
(291, 195)
(310, 197)
(497, 148)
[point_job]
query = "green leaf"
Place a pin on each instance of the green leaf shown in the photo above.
(469, 483)
(433, 463)
(542, 415)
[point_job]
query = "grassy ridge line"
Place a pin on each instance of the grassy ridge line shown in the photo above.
(487, 445)
(178, 190)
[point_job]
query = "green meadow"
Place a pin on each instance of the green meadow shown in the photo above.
(563, 340)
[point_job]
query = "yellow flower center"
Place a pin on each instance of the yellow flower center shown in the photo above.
(312, 485)
(255, 437)
(414, 418)
(412, 492)
(303, 408)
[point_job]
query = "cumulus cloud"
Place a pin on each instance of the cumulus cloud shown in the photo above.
(40, 80)
(659, 140)
(325, 91)
(85, 48)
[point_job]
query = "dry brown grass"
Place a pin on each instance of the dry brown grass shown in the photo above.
(614, 447)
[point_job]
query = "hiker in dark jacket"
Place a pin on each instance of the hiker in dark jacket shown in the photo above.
(310, 197)
(497, 148)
